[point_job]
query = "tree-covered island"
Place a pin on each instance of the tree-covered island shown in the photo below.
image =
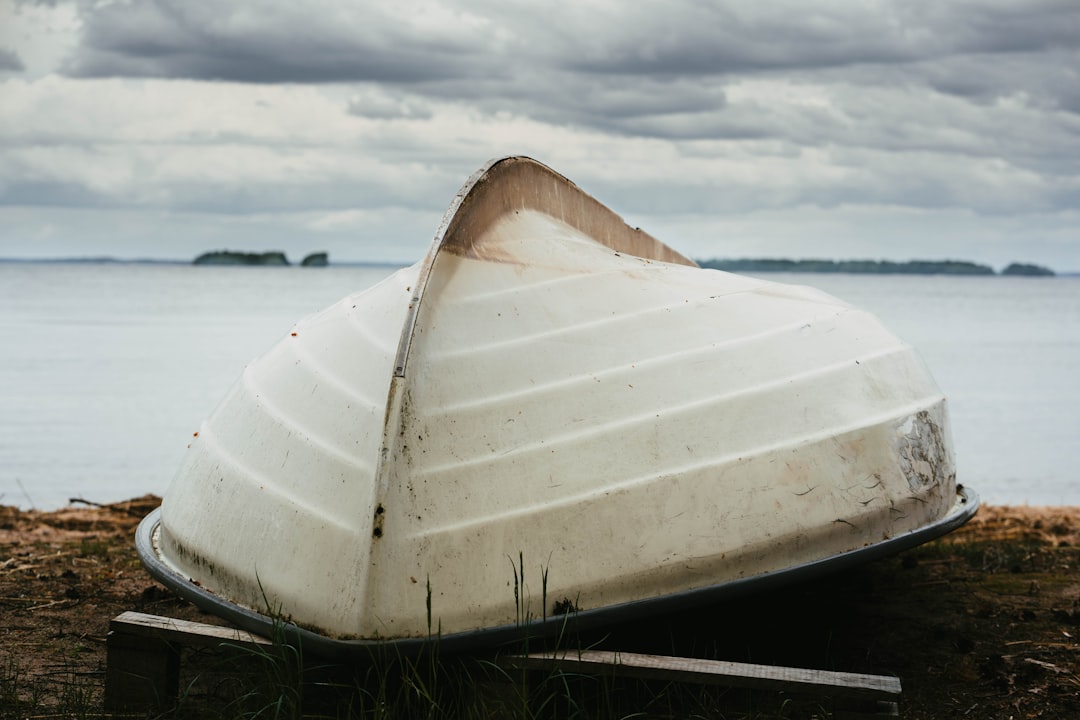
(879, 267)
(272, 258)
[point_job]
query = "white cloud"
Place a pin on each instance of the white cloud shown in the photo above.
(37, 35)
(338, 117)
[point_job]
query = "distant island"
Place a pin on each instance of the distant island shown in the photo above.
(319, 259)
(1029, 270)
(743, 265)
(879, 267)
(272, 258)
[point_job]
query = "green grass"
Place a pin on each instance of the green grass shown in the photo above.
(280, 682)
(430, 688)
(60, 692)
(94, 548)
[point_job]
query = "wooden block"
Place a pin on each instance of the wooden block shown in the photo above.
(143, 659)
(141, 673)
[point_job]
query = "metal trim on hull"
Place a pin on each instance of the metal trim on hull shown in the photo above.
(967, 503)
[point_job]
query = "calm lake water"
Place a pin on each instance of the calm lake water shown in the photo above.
(106, 370)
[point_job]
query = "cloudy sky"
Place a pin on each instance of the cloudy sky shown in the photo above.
(836, 129)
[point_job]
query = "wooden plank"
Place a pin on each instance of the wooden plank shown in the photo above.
(715, 672)
(182, 632)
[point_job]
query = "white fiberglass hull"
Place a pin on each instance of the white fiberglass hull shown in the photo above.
(550, 411)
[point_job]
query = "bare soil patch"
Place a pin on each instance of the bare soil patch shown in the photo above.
(983, 623)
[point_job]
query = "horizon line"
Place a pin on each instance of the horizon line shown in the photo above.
(112, 259)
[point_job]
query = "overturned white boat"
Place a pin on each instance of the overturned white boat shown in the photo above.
(551, 412)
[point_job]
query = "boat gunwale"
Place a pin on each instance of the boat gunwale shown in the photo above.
(146, 543)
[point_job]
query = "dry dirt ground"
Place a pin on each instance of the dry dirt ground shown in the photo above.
(984, 623)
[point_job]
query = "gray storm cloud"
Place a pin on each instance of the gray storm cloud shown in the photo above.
(269, 42)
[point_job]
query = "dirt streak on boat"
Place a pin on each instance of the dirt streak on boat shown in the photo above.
(553, 386)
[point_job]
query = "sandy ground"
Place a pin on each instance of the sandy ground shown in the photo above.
(984, 623)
